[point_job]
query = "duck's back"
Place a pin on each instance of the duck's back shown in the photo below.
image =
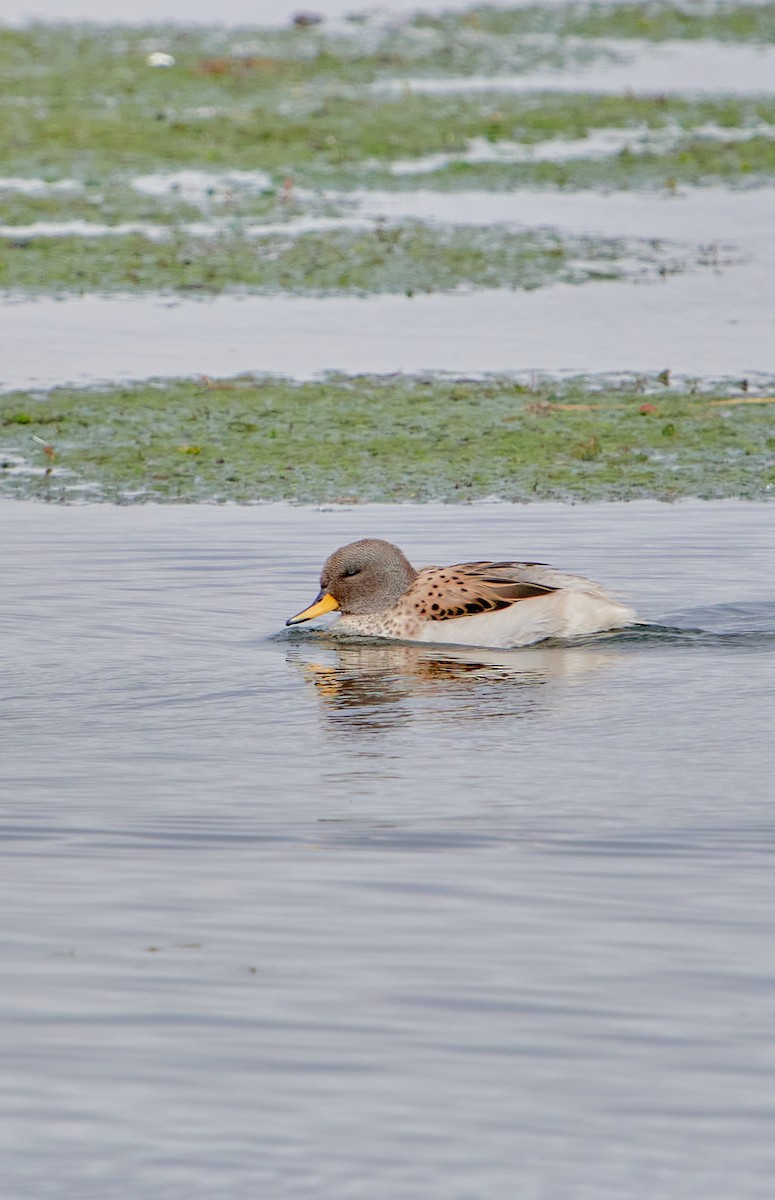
(509, 604)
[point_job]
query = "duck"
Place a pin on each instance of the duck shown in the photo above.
(378, 593)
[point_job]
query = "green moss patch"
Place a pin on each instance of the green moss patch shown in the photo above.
(404, 259)
(81, 103)
(385, 439)
(82, 74)
(314, 139)
(654, 21)
(694, 161)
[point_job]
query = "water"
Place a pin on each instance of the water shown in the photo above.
(597, 144)
(708, 321)
(290, 918)
(681, 68)
(261, 13)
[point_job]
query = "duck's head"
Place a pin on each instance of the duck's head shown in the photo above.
(362, 577)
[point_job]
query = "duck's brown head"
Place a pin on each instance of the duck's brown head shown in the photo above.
(362, 577)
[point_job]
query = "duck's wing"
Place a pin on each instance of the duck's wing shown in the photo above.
(443, 593)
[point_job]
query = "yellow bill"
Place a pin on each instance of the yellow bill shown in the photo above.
(324, 603)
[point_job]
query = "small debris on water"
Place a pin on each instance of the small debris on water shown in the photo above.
(48, 450)
(159, 59)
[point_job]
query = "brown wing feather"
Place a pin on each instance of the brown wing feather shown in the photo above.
(443, 593)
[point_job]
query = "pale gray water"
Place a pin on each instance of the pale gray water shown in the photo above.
(679, 68)
(262, 13)
(705, 322)
(282, 919)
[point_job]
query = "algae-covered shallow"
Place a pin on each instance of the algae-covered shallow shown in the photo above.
(556, 141)
(657, 20)
(81, 103)
(689, 156)
(405, 258)
(303, 125)
(105, 68)
(396, 438)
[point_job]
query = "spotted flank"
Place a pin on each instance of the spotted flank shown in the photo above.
(469, 588)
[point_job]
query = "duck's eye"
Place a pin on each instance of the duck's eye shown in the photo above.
(348, 574)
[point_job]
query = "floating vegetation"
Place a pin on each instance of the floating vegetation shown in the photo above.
(368, 438)
(406, 258)
(653, 20)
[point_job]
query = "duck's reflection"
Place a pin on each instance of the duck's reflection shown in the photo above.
(374, 687)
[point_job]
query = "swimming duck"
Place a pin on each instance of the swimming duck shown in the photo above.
(378, 592)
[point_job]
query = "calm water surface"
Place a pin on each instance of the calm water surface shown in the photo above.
(704, 322)
(285, 918)
(262, 13)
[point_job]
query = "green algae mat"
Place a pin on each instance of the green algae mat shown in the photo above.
(346, 439)
(313, 117)
(407, 258)
(82, 102)
(318, 114)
